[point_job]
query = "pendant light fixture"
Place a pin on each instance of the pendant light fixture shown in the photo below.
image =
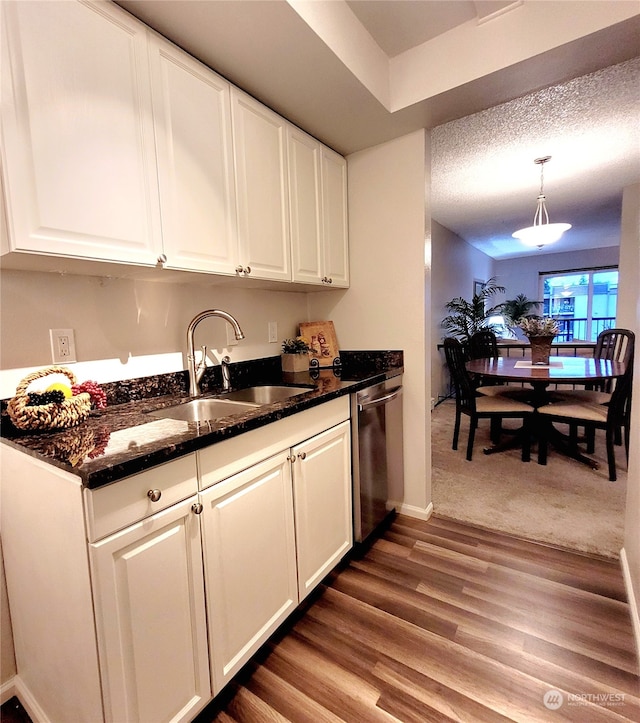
(542, 232)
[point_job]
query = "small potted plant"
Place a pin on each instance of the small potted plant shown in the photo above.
(540, 333)
(295, 354)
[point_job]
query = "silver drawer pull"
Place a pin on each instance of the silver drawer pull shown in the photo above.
(302, 455)
(197, 508)
(154, 495)
(291, 459)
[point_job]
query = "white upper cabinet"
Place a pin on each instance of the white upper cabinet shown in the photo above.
(118, 146)
(77, 133)
(192, 116)
(318, 197)
(334, 218)
(259, 138)
(305, 200)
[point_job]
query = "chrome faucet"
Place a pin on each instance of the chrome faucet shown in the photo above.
(197, 370)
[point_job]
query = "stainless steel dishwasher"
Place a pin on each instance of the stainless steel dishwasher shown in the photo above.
(378, 478)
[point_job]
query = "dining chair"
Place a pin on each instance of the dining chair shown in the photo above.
(495, 407)
(592, 415)
(483, 344)
(613, 345)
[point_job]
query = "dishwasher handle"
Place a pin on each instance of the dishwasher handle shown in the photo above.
(385, 399)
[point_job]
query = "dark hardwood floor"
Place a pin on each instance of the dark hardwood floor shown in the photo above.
(441, 621)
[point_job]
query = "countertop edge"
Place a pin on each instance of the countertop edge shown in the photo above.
(94, 476)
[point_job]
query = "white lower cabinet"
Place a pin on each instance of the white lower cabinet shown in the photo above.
(270, 534)
(322, 503)
(150, 615)
(139, 600)
(249, 554)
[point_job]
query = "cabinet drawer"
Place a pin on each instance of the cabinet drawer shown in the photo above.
(122, 503)
(233, 455)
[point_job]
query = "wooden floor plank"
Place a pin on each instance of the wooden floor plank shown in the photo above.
(441, 621)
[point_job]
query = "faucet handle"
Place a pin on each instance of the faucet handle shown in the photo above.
(200, 366)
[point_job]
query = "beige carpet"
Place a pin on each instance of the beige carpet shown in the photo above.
(564, 503)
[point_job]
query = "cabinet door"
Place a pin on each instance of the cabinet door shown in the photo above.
(305, 207)
(80, 167)
(150, 612)
(259, 138)
(250, 563)
(322, 502)
(334, 210)
(192, 117)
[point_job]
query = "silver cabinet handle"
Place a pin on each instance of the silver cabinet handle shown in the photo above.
(154, 495)
(239, 269)
(291, 459)
(248, 270)
(162, 259)
(197, 508)
(302, 455)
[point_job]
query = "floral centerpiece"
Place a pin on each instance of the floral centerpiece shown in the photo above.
(540, 333)
(295, 354)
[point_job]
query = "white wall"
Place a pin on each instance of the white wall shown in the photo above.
(126, 328)
(387, 304)
(629, 317)
(455, 265)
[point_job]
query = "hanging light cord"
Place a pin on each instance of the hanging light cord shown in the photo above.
(541, 216)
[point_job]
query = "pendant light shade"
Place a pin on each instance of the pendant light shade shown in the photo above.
(542, 232)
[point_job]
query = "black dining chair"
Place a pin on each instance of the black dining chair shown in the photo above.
(495, 407)
(614, 345)
(483, 344)
(610, 417)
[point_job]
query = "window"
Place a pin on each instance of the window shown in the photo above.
(583, 301)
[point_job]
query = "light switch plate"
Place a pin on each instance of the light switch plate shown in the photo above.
(273, 331)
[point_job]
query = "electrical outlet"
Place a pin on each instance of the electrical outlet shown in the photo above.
(273, 331)
(63, 346)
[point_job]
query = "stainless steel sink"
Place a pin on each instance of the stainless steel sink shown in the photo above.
(266, 394)
(204, 410)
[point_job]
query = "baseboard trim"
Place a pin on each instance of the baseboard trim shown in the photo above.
(7, 690)
(633, 607)
(421, 513)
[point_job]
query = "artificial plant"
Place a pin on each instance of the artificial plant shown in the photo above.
(467, 317)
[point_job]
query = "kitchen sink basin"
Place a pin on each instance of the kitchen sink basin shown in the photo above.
(266, 394)
(204, 410)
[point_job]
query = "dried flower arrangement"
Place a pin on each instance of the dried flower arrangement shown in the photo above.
(533, 326)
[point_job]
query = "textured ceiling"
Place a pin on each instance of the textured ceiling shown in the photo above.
(484, 181)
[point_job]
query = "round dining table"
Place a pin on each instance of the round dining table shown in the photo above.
(560, 370)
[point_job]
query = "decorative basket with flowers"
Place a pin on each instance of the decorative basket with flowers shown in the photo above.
(541, 333)
(295, 354)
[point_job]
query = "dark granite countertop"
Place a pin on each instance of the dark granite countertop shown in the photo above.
(125, 439)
